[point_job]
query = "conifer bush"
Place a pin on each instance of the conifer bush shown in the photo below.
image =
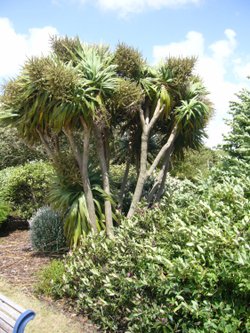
(47, 231)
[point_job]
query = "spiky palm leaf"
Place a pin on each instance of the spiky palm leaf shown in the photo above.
(70, 200)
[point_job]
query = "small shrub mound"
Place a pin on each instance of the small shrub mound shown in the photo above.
(47, 231)
(4, 212)
(51, 280)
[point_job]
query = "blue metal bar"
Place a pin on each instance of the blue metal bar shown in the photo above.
(23, 320)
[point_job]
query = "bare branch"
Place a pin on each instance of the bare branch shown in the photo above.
(158, 110)
(143, 123)
(163, 150)
(73, 146)
(45, 142)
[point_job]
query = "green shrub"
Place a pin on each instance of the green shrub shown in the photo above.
(26, 187)
(182, 267)
(51, 279)
(47, 231)
(4, 212)
(13, 150)
(195, 164)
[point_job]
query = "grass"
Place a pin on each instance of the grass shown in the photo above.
(47, 318)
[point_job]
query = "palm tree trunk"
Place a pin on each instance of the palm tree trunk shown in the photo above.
(105, 180)
(159, 184)
(163, 177)
(124, 182)
(147, 125)
(86, 182)
(82, 161)
(142, 174)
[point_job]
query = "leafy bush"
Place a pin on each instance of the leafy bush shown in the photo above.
(51, 279)
(195, 164)
(182, 267)
(13, 150)
(47, 231)
(4, 212)
(26, 187)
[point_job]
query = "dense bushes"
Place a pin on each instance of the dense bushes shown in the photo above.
(47, 231)
(182, 267)
(26, 187)
(13, 150)
(195, 164)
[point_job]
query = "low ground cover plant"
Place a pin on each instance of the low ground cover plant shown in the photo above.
(51, 279)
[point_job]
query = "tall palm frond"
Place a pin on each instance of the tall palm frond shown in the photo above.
(69, 199)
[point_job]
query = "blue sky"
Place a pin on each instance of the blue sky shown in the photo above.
(216, 31)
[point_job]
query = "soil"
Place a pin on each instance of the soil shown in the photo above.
(19, 265)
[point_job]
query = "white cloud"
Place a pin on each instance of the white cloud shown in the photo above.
(242, 70)
(193, 45)
(215, 63)
(222, 49)
(134, 6)
(17, 47)
(126, 7)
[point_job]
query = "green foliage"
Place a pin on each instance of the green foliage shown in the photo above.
(195, 164)
(4, 211)
(51, 280)
(129, 62)
(26, 187)
(86, 94)
(47, 231)
(237, 142)
(182, 267)
(13, 151)
(68, 198)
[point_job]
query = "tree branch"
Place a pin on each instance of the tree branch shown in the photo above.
(46, 144)
(143, 123)
(163, 150)
(157, 113)
(73, 146)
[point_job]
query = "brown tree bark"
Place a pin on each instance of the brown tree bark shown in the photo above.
(159, 184)
(82, 161)
(143, 174)
(105, 179)
(124, 182)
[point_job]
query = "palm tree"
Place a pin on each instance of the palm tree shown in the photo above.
(54, 97)
(180, 109)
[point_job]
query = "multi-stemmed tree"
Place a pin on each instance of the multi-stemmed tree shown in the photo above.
(173, 108)
(90, 98)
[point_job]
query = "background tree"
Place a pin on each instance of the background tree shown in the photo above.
(195, 164)
(237, 142)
